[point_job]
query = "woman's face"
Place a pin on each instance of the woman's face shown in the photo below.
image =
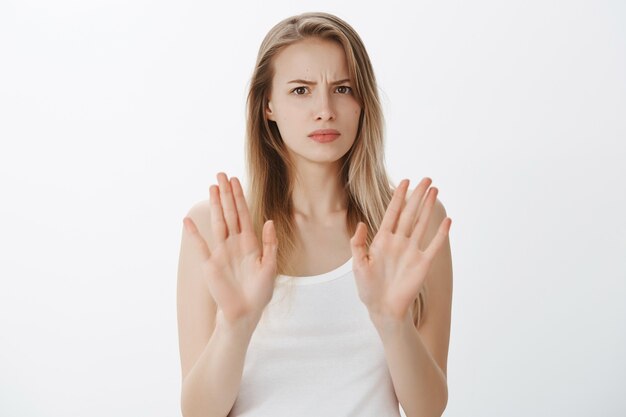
(312, 91)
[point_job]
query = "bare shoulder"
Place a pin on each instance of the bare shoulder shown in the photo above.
(200, 213)
(437, 215)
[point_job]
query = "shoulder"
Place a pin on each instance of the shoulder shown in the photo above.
(200, 208)
(437, 215)
(200, 213)
(438, 209)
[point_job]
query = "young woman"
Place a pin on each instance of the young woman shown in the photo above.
(325, 292)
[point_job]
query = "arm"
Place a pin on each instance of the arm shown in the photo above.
(417, 360)
(212, 385)
(212, 354)
(225, 281)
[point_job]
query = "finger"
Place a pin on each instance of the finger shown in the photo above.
(228, 204)
(270, 244)
(424, 215)
(245, 224)
(197, 239)
(439, 239)
(394, 208)
(218, 226)
(358, 244)
(406, 222)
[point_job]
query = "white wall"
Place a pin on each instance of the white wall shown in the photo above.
(116, 115)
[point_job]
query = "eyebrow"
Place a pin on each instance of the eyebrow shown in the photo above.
(315, 83)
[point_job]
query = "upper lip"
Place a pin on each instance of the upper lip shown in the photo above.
(324, 132)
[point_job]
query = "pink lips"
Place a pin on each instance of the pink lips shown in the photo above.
(324, 135)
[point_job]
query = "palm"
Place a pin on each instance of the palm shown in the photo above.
(238, 272)
(390, 273)
(236, 276)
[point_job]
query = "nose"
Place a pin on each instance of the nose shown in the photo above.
(324, 109)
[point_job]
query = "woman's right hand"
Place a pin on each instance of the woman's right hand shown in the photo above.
(239, 275)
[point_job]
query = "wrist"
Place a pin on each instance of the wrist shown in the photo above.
(389, 325)
(238, 329)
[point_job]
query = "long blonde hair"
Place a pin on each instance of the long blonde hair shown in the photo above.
(363, 173)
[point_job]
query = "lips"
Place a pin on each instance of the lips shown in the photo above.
(324, 135)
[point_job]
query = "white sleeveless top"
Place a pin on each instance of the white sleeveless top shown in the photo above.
(315, 352)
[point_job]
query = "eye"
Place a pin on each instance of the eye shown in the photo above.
(344, 89)
(299, 91)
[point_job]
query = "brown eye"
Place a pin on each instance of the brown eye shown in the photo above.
(299, 91)
(344, 89)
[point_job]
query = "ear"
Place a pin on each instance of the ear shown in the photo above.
(269, 111)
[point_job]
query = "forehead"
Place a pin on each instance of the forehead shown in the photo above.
(311, 58)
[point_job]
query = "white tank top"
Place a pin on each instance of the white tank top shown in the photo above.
(315, 352)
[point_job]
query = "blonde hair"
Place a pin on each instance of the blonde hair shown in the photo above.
(363, 173)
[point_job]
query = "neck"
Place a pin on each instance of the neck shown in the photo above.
(318, 191)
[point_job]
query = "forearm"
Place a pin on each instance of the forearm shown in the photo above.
(212, 385)
(419, 383)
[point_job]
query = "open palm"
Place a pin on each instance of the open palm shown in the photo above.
(239, 276)
(390, 273)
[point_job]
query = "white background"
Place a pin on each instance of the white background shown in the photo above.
(116, 115)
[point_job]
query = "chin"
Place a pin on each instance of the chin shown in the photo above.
(327, 159)
(323, 153)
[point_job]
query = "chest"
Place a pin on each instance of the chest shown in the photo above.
(320, 247)
(315, 352)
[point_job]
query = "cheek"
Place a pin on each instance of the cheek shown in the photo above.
(357, 114)
(288, 111)
(288, 120)
(356, 106)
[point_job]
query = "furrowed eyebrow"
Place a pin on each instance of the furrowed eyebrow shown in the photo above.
(305, 82)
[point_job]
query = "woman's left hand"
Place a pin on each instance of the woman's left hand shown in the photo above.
(390, 273)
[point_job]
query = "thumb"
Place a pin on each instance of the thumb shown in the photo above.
(357, 244)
